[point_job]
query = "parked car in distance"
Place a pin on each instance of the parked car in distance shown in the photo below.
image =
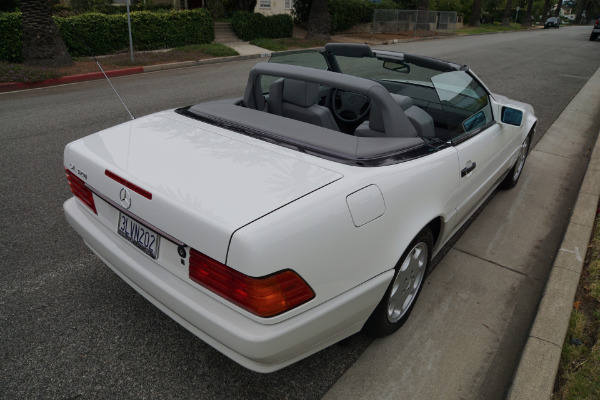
(596, 30)
(552, 22)
(279, 223)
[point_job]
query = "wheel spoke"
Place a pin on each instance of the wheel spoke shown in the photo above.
(407, 282)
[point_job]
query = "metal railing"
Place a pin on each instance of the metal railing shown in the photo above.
(414, 23)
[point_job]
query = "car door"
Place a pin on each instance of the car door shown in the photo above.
(482, 160)
(482, 144)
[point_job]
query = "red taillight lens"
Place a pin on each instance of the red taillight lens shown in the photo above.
(265, 297)
(128, 184)
(80, 190)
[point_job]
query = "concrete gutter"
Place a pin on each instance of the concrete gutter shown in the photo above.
(536, 373)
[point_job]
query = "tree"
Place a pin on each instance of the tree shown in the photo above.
(546, 11)
(319, 21)
(42, 44)
(475, 13)
(558, 8)
(244, 5)
(490, 8)
(527, 21)
(506, 19)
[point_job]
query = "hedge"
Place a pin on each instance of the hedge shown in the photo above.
(347, 13)
(10, 32)
(250, 26)
(106, 34)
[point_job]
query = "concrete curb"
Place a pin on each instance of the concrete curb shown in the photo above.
(535, 375)
(13, 86)
(9, 87)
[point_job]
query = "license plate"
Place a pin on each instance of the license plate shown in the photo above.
(139, 235)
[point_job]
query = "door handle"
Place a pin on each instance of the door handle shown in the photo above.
(469, 167)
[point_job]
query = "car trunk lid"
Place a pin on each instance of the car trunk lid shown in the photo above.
(205, 182)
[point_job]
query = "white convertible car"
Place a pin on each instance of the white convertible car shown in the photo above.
(274, 225)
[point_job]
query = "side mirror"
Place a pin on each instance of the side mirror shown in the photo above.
(512, 116)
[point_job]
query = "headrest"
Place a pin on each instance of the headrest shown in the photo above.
(300, 93)
(375, 117)
(349, 50)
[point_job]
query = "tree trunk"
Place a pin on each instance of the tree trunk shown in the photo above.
(42, 44)
(476, 13)
(527, 21)
(506, 19)
(581, 5)
(546, 10)
(319, 21)
(558, 8)
(423, 5)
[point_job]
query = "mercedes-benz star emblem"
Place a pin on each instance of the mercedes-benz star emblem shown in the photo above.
(125, 197)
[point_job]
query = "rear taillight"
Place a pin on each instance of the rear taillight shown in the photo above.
(80, 190)
(265, 297)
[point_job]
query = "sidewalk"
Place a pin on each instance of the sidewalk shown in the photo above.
(466, 336)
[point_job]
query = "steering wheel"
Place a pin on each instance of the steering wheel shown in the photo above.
(350, 106)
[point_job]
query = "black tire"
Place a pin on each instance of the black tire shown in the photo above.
(514, 174)
(593, 37)
(410, 272)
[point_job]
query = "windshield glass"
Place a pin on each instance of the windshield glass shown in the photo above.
(456, 101)
(379, 69)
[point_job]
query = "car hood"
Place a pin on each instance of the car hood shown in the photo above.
(206, 182)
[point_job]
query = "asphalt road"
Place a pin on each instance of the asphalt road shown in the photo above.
(70, 328)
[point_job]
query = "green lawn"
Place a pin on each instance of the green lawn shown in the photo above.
(213, 49)
(579, 371)
(287, 43)
(484, 28)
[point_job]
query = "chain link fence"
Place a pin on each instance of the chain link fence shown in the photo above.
(414, 23)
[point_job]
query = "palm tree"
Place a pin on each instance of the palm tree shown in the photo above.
(319, 20)
(42, 44)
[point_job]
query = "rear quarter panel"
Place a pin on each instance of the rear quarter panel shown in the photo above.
(316, 237)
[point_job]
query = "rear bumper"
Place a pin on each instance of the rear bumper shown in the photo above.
(256, 346)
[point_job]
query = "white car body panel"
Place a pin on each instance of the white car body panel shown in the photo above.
(337, 259)
(252, 344)
(259, 207)
(180, 163)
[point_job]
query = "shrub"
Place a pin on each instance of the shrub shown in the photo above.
(101, 33)
(347, 13)
(250, 26)
(106, 34)
(10, 32)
